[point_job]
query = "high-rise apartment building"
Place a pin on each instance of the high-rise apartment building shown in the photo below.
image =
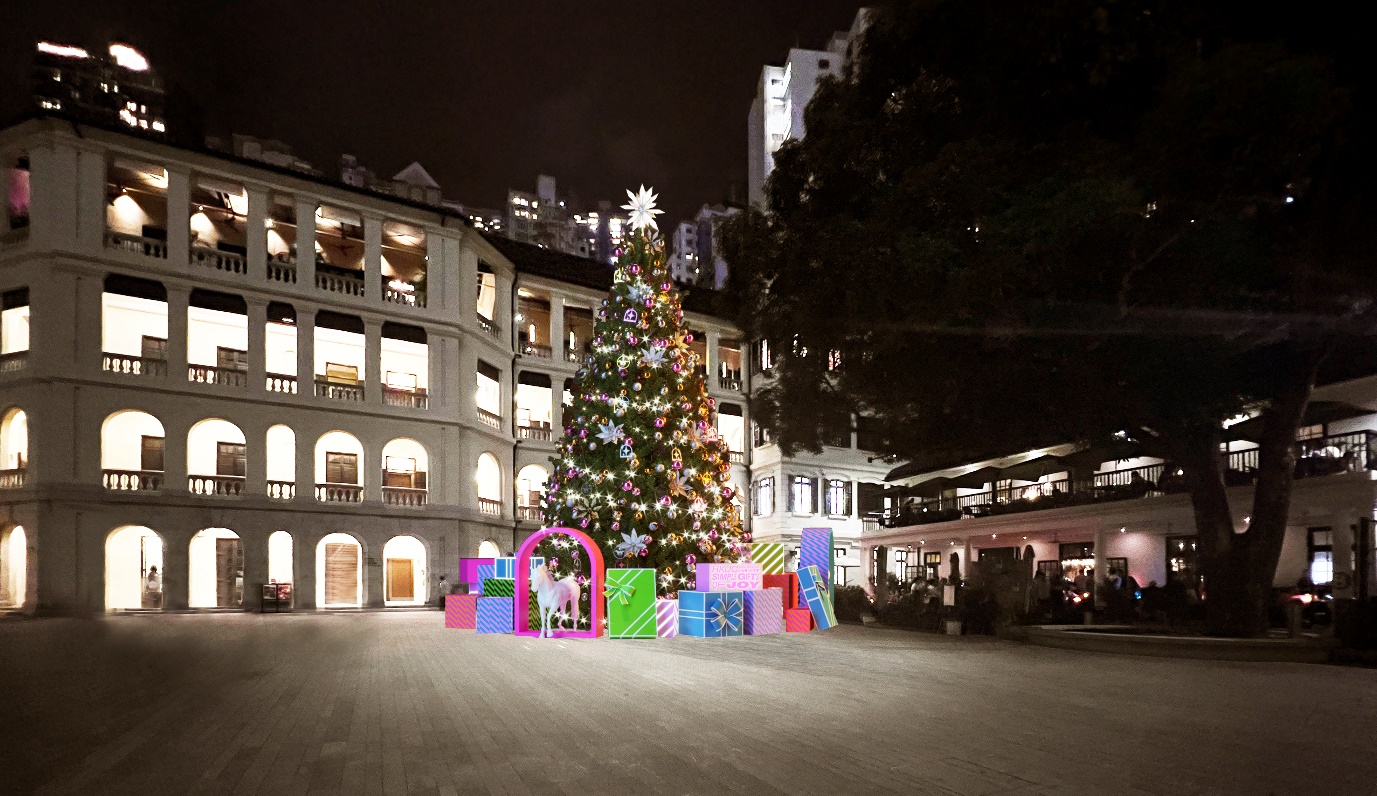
(118, 85)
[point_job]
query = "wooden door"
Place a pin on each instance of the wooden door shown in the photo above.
(229, 573)
(341, 574)
(401, 579)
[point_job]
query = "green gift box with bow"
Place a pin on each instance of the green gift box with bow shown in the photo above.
(630, 603)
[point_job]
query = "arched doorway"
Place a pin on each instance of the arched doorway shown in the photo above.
(339, 572)
(281, 449)
(530, 492)
(215, 577)
(280, 557)
(14, 561)
(489, 549)
(133, 569)
(404, 571)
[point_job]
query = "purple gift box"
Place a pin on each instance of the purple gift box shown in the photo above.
(764, 612)
(666, 618)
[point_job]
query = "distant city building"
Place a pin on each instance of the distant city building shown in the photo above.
(712, 268)
(782, 95)
(483, 219)
(546, 219)
(118, 86)
(683, 254)
(264, 150)
(413, 183)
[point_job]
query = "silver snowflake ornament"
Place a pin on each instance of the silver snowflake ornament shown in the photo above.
(642, 209)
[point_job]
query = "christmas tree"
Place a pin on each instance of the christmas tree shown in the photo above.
(642, 469)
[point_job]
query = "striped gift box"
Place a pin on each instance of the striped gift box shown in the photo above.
(815, 550)
(764, 612)
(499, 587)
(798, 620)
(461, 611)
(770, 557)
(788, 582)
(817, 596)
(485, 572)
(495, 614)
(666, 618)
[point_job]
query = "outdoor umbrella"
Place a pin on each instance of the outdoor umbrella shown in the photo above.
(975, 479)
(1112, 450)
(1033, 469)
(1316, 413)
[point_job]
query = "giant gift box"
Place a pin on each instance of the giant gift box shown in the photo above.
(461, 611)
(815, 550)
(711, 614)
(506, 567)
(798, 620)
(630, 603)
(495, 614)
(817, 596)
(786, 582)
(468, 571)
(666, 618)
(764, 611)
(499, 587)
(485, 572)
(728, 577)
(770, 557)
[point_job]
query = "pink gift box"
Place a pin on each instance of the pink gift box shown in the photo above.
(666, 618)
(461, 611)
(468, 571)
(764, 612)
(798, 620)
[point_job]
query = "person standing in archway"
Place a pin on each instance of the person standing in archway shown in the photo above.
(153, 589)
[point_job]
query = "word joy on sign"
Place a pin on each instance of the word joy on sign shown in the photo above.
(728, 577)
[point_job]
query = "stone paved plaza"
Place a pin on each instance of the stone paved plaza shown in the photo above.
(394, 703)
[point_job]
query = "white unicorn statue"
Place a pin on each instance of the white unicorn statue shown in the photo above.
(552, 595)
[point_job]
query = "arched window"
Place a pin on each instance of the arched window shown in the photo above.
(131, 451)
(216, 458)
(488, 478)
(339, 468)
(133, 569)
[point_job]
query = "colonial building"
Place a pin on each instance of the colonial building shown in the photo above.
(192, 407)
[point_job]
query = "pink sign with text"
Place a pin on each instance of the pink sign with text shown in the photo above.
(728, 577)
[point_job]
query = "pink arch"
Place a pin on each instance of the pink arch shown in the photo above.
(523, 584)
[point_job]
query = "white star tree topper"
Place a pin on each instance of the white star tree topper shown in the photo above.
(642, 209)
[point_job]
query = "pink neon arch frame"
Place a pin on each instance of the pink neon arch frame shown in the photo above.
(522, 620)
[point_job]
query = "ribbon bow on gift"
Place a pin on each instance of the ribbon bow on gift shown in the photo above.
(726, 614)
(621, 591)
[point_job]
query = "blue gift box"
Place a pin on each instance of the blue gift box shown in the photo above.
(711, 614)
(495, 614)
(506, 567)
(816, 550)
(817, 596)
(485, 572)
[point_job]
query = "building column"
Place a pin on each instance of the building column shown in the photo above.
(306, 245)
(467, 274)
(1101, 542)
(178, 217)
(258, 348)
(1345, 556)
(372, 363)
(557, 406)
(89, 336)
(305, 353)
(255, 556)
(257, 224)
(714, 340)
(372, 257)
(256, 464)
(52, 213)
(303, 560)
(305, 470)
(91, 201)
(178, 303)
(373, 596)
(176, 568)
(557, 340)
(467, 394)
(502, 308)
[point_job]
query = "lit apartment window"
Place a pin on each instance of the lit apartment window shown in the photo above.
(802, 494)
(764, 497)
(1321, 545)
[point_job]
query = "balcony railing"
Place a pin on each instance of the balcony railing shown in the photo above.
(13, 479)
(132, 480)
(282, 384)
(539, 432)
(337, 391)
(403, 496)
(219, 260)
(729, 383)
(1341, 453)
(405, 298)
(529, 513)
(575, 354)
(222, 485)
(339, 493)
(228, 377)
(132, 366)
(282, 490)
(14, 361)
(348, 284)
(136, 244)
(537, 350)
(282, 269)
(489, 419)
(737, 457)
(412, 399)
(490, 507)
(487, 326)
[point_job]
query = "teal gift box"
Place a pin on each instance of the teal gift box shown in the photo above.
(817, 596)
(711, 614)
(630, 603)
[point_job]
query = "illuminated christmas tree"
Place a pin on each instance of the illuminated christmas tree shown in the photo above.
(642, 469)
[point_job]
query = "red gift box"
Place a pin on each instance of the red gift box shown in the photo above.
(461, 611)
(798, 620)
(788, 582)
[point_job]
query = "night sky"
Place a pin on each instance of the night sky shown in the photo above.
(486, 95)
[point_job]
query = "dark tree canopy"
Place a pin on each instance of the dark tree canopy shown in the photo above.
(1020, 224)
